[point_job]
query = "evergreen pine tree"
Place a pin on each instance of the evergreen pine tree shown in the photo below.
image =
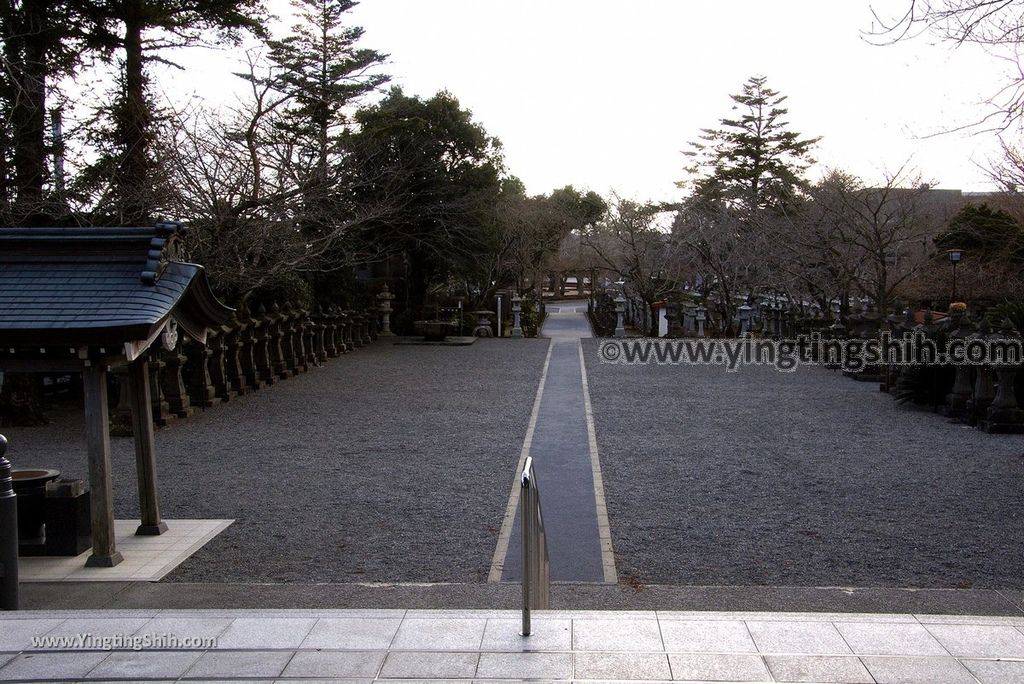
(753, 161)
(324, 72)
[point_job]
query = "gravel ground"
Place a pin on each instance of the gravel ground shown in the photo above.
(799, 479)
(388, 464)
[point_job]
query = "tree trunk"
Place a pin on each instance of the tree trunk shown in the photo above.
(26, 54)
(135, 177)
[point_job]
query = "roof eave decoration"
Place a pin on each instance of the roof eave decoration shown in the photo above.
(167, 233)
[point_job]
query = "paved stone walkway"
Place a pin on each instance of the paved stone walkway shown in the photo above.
(385, 645)
(564, 460)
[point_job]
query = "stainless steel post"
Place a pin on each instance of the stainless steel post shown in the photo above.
(8, 534)
(526, 509)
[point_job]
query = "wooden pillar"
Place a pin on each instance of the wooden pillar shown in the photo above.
(145, 449)
(104, 548)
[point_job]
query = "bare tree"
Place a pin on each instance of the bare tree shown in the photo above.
(632, 244)
(724, 254)
(888, 230)
(813, 257)
(243, 184)
(997, 25)
(533, 230)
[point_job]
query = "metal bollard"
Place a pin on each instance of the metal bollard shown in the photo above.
(526, 508)
(8, 534)
(536, 572)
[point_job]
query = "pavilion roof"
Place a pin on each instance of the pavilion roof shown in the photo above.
(100, 287)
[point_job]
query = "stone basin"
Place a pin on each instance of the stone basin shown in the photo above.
(30, 486)
(435, 331)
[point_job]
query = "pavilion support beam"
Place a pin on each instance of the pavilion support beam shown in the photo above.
(97, 429)
(145, 448)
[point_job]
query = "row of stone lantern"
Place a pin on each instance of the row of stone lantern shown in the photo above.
(985, 396)
(982, 395)
(258, 348)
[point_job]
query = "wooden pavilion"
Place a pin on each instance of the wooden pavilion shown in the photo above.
(89, 299)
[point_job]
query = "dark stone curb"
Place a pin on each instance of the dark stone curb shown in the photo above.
(125, 595)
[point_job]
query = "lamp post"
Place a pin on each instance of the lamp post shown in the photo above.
(955, 256)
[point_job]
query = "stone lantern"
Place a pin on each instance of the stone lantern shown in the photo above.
(701, 316)
(675, 319)
(385, 298)
(517, 310)
(620, 309)
(764, 315)
(745, 311)
(1004, 414)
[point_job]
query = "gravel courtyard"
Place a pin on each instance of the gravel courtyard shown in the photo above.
(393, 463)
(806, 479)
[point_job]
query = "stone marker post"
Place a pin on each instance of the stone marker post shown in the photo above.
(620, 309)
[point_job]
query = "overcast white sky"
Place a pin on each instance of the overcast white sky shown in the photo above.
(606, 94)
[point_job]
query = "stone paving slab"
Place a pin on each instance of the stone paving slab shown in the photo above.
(146, 558)
(484, 645)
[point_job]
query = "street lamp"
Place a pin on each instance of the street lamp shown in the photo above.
(955, 255)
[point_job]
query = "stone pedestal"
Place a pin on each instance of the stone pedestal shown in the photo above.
(384, 298)
(261, 372)
(121, 415)
(956, 401)
(277, 342)
(984, 395)
(201, 391)
(517, 310)
(161, 408)
(1004, 415)
(238, 347)
(173, 384)
(217, 364)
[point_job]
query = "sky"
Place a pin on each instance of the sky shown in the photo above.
(607, 95)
